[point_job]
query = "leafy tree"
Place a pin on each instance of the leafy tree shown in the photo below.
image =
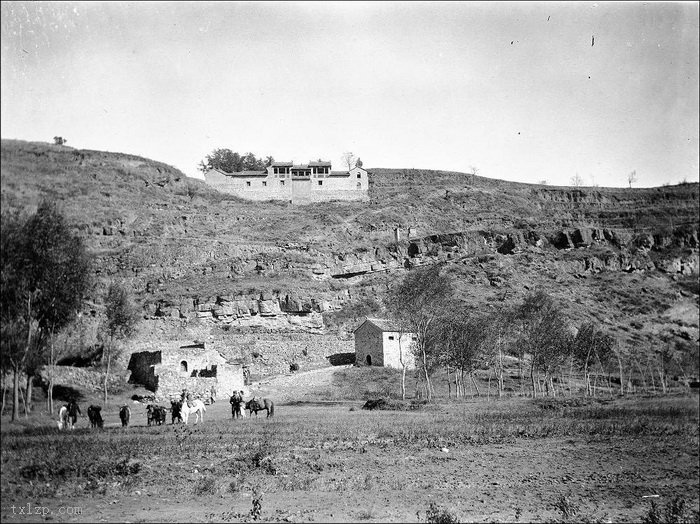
(358, 163)
(120, 322)
(416, 302)
(232, 162)
(544, 335)
(45, 273)
(59, 140)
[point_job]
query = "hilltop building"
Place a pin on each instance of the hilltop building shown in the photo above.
(380, 343)
(295, 183)
(191, 366)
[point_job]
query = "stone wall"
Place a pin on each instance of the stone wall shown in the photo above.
(141, 365)
(272, 353)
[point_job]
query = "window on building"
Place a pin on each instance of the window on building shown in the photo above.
(359, 185)
(183, 366)
(264, 183)
(247, 184)
(359, 175)
(320, 182)
(281, 182)
(391, 337)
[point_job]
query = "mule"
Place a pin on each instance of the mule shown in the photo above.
(125, 415)
(198, 408)
(176, 410)
(255, 404)
(95, 416)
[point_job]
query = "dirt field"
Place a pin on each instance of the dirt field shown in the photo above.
(515, 460)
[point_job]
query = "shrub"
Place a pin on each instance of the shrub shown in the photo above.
(438, 515)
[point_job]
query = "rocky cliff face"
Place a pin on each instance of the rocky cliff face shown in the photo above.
(198, 258)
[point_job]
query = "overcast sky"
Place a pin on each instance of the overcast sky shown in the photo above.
(524, 91)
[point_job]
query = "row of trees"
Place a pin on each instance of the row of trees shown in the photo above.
(45, 273)
(232, 162)
(461, 340)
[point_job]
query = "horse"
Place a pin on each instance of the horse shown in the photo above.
(176, 409)
(198, 408)
(125, 415)
(95, 416)
(63, 418)
(255, 404)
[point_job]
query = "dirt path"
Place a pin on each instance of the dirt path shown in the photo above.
(287, 388)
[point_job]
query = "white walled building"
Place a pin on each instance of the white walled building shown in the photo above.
(298, 184)
(381, 343)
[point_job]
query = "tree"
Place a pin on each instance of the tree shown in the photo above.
(632, 177)
(417, 302)
(591, 345)
(120, 322)
(544, 335)
(45, 273)
(232, 162)
(59, 140)
(577, 180)
(349, 160)
(358, 163)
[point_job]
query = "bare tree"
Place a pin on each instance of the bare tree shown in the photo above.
(632, 177)
(577, 180)
(417, 302)
(349, 159)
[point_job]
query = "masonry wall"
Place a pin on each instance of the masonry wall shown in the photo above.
(141, 367)
(392, 350)
(171, 382)
(283, 187)
(368, 341)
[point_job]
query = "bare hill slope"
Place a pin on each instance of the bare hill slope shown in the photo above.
(206, 264)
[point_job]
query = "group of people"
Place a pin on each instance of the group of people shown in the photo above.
(237, 402)
(68, 415)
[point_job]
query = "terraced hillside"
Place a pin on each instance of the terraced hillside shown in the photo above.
(207, 264)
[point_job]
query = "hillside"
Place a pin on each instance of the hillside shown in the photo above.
(204, 264)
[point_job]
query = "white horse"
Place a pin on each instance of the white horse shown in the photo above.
(63, 421)
(198, 408)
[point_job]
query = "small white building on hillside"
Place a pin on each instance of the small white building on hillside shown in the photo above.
(382, 343)
(295, 183)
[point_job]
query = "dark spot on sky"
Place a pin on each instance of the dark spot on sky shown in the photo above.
(518, 132)
(548, 18)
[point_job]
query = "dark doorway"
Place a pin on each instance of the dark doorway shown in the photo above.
(369, 360)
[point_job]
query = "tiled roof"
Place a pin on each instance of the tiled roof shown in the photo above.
(281, 164)
(300, 166)
(339, 173)
(384, 325)
(319, 164)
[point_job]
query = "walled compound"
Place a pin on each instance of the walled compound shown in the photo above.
(382, 343)
(295, 183)
(192, 366)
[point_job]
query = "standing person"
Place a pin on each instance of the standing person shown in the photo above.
(236, 401)
(213, 394)
(73, 411)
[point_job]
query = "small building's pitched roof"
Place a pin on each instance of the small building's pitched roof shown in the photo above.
(320, 163)
(382, 324)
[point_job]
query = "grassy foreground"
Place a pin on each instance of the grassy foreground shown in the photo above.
(516, 459)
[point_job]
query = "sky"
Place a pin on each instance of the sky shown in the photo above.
(522, 91)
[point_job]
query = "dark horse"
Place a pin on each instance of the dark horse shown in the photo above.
(255, 404)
